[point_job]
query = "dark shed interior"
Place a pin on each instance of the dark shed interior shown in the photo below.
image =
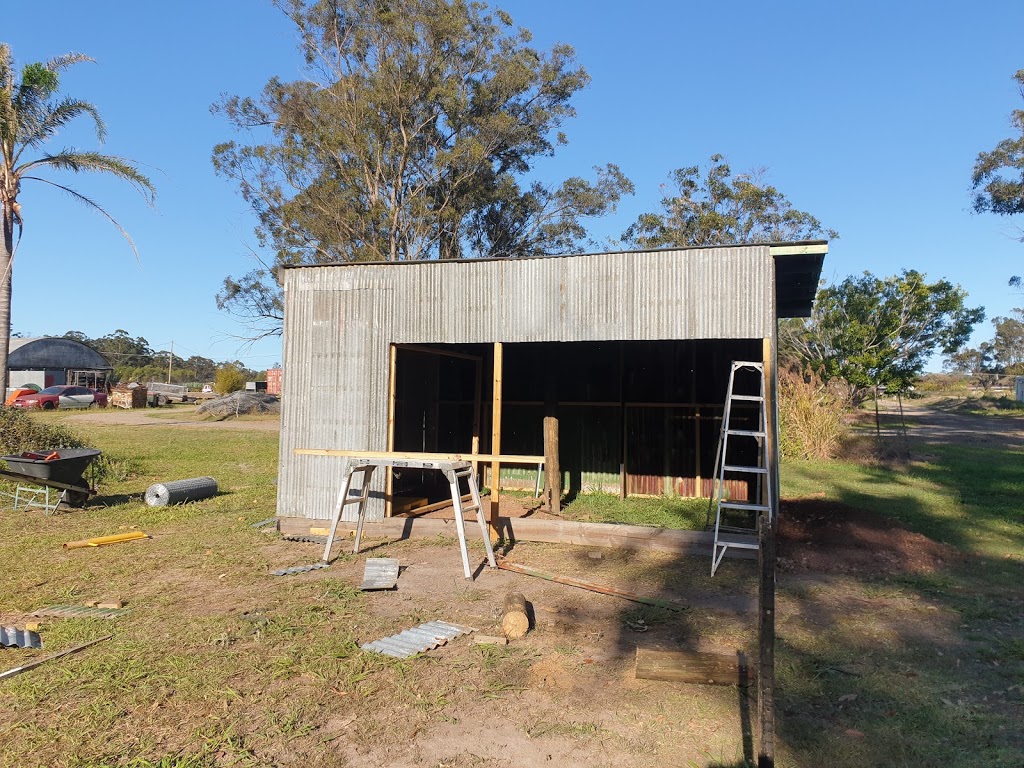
(635, 417)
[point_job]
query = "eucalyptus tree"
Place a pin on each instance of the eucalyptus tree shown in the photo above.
(998, 175)
(720, 208)
(31, 114)
(411, 135)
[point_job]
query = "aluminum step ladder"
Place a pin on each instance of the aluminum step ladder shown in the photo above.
(733, 526)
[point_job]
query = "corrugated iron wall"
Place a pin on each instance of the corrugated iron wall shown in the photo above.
(340, 321)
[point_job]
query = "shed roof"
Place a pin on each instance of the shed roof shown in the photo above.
(797, 269)
(54, 352)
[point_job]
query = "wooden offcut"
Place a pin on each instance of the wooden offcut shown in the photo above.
(515, 622)
(693, 667)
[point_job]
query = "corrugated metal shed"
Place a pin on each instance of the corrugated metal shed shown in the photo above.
(340, 321)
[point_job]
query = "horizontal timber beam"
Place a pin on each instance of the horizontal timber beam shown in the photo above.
(496, 458)
(611, 535)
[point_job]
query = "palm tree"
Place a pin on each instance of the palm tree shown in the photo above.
(31, 113)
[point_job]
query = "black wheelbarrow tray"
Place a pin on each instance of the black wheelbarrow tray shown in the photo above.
(64, 471)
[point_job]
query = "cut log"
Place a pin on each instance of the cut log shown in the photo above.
(515, 622)
(690, 667)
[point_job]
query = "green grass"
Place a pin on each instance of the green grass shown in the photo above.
(965, 496)
(663, 512)
(219, 664)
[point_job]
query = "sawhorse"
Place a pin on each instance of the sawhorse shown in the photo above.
(454, 472)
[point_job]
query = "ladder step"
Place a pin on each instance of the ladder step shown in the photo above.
(754, 470)
(745, 432)
(745, 505)
(736, 545)
(754, 398)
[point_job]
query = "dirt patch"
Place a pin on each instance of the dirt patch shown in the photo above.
(830, 537)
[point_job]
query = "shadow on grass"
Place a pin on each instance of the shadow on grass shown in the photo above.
(909, 665)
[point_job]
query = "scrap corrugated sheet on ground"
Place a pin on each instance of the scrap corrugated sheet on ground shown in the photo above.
(380, 573)
(80, 612)
(417, 640)
(12, 637)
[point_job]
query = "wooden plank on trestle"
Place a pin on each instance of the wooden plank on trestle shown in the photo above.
(693, 667)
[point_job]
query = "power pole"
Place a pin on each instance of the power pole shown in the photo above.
(170, 362)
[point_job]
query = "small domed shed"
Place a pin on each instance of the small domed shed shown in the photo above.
(52, 360)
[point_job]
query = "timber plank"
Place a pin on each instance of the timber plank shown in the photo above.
(693, 667)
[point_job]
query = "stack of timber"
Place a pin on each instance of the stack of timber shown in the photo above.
(129, 397)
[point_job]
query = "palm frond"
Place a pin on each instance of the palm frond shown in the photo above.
(60, 63)
(90, 203)
(78, 162)
(6, 66)
(55, 117)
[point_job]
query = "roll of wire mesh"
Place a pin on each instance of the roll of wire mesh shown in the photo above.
(179, 491)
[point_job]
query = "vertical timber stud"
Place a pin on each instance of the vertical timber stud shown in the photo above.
(477, 398)
(623, 422)
(552, 469)
(389, 481)
(496, 439)
(766, 570)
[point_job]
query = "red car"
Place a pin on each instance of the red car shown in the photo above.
(63, 396)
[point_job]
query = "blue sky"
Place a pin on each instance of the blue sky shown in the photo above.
(868, 115)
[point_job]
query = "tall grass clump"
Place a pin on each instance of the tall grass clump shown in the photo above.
(810, 416)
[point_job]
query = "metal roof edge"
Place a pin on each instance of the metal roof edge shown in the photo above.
(796, 247)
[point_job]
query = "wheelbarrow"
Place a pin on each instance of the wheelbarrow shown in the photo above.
(61, 468)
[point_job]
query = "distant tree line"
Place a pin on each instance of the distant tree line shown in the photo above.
(134, 360)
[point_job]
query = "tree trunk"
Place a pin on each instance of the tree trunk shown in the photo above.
(6, 275)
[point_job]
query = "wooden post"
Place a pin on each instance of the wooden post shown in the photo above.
(698, 481)
(766, 641)
(496, 438)
(389, 480)
(623, 474)
(477, 398)
(552, 469)
(766, 570)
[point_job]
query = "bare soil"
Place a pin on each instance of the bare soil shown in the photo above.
(821, 536)
(176, 416)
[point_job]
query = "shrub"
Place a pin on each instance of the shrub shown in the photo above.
(810, 416)
(228, 379)
(20, 432)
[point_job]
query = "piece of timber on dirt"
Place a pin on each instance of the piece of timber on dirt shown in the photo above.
(689, 667)
(515, 622)
(180, 491)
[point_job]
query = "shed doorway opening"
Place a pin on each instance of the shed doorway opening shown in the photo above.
(635, 418)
